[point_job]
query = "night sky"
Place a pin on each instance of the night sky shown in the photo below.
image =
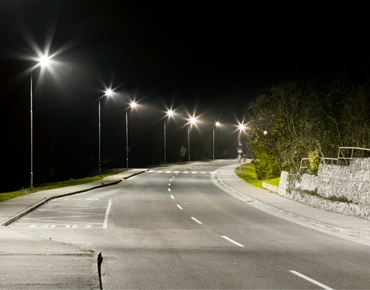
(200, 58)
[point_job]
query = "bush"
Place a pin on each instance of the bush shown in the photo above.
(265, 164)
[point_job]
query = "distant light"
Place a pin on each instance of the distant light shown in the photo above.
(170, 113)
(133, 104)
(218, 124)
(44, 61)
(241, 127)
(192, 120)
(109, 93)
(265, 132)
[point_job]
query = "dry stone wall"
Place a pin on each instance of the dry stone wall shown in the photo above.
(352, 182)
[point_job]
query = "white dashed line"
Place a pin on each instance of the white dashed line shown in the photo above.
(170, 179)
(177, 171)
(68, 226)
(194, 172)
(168, 171)
(105, 224)
(172, 196)
(169, 184)
(151, 171)
(311, 280)
(232, 241)
(159, 171)
(179, 206)
(199, 222)
(169, 189)
(185, 172)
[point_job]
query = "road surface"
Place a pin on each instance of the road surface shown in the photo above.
(173, 228)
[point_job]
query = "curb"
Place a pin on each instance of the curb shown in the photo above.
(346, 231)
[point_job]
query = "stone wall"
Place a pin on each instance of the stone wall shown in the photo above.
(352, 182)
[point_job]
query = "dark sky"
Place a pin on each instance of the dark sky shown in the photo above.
(211, 57)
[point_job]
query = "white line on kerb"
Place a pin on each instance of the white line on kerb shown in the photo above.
(199, 222)
(232, 241)
(172, 196)
(105, 224)
(179, 206)
(311, 280)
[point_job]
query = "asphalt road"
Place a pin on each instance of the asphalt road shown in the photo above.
(173, 228)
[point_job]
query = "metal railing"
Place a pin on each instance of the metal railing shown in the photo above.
(345, 155)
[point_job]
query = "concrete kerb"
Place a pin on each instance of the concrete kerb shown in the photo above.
(242, 196)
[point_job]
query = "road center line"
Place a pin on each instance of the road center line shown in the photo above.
(311, 280)
(179, 206)
(194, 219)
(105, 224)
(169, 189)
(172, 196)
(232, 241)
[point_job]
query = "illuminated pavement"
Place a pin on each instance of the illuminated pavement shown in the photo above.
(178, 230)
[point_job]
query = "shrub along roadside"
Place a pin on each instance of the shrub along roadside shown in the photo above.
(24, 191)
(248, 173)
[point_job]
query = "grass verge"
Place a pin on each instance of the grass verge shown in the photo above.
(248, 173)
(24, 191)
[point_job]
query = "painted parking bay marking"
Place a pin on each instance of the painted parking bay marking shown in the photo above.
(68, 213)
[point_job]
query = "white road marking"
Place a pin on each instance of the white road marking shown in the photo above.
(172, 196)
(88, 226)
(202, 172)
(31, 226)
(169, 184)
(179, 206)
(105, 224)
(173, 176)
(168, 171)
(169, 189)
(232, 241)
(150, 171)
(199, 222)
(177, 171)
(170, 179)
(68, 226)
(52, 226)
(159, 171)
(185, 172)
(74, 226)
(311, 280)
(194, 172)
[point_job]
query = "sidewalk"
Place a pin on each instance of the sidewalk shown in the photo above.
(226, 177)
(28, 262)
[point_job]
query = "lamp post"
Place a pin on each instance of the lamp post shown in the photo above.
(108, 93)
(214, 127)
(241, 127)
(169, 114)
(132, 105)
(43, 61)
(192, 121)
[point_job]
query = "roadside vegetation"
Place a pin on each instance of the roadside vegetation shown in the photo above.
(248, 173)
(306, 119)
(24, 191)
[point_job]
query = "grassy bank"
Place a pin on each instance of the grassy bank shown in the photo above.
(248, 173)
(24, 191)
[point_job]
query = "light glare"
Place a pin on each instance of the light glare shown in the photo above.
(133, 104)
(109, 93)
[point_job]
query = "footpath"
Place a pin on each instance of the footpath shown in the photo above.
(29, 262)
(225, 177)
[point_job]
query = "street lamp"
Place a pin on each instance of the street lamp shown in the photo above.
(132, 105)
(192, 121)
(43, 61)
(169, 114)
(214, 127)
(241, 128)
(108, 93)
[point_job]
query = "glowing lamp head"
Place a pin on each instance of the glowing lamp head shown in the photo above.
(170, 113)
(241, 127)
(109, 93)
(44, 61)
(133, 104)
(217, 124)
(265, 133)
(192, 120)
